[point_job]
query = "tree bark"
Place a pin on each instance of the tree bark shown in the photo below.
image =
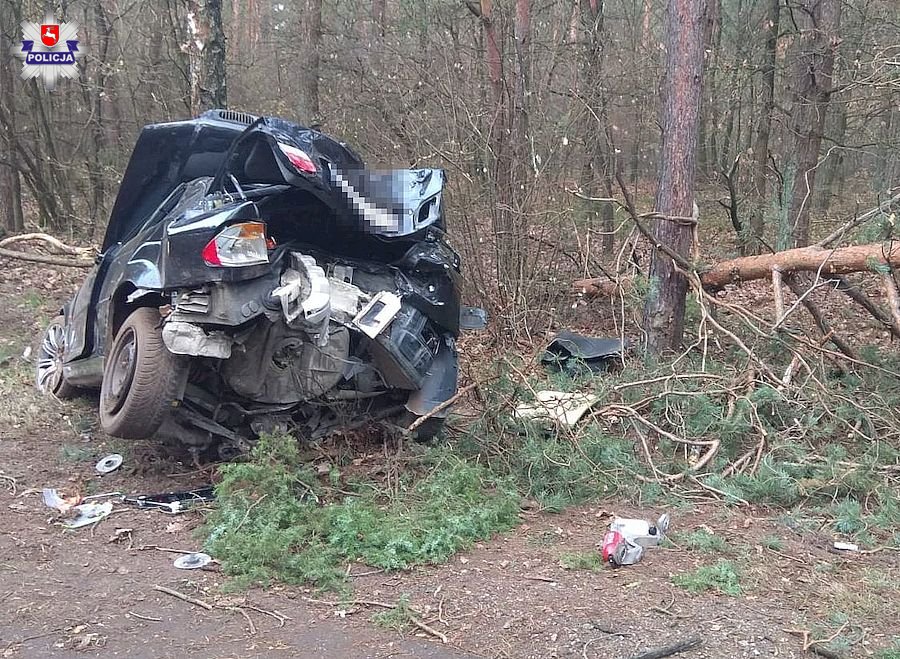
(309, 68)
(811, 79)
(11, 217)
(764, 129)
(206, 50)
(683, 86)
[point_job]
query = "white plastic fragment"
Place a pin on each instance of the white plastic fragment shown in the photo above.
(560, 406)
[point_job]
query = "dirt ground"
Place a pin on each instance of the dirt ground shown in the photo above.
(92, 591)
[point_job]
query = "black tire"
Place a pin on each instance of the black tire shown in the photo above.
(141, 378)
(428, 432)
(49, 377)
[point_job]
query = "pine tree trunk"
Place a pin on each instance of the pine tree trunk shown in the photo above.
(764, 129)
(682, 89)
(309, 68)
(811, 80)
(11, 218)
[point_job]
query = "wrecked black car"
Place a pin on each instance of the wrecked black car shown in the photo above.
(256, 276)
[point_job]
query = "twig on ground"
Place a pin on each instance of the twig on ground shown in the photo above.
(183, 597)
(280, 617)
(538, 577)
(427, 629)
(140, 617)
(237, 609)
(669, 650)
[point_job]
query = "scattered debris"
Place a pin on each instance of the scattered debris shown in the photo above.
(846, 546)
(192, 561)
(88, 513)
(559, 406)
(109, 464)
(581, 355)
(52, 499)
(626, 539)
(173, 502)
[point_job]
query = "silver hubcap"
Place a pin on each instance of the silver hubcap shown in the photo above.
(50, 359)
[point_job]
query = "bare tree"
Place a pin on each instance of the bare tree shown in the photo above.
(811, 80)
(682, 90)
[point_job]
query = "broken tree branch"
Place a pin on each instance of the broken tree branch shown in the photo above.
(46, 260)
(872, 257)
(184, 598)
(669, 650)
(819, 318)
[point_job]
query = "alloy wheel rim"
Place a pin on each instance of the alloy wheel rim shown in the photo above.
(50, 359)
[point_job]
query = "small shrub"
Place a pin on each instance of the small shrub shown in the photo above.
(703, 540)
(773, 542)
(588, 560)
(722, 577)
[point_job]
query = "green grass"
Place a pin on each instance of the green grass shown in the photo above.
(397, 618)
(33, 300)
(704, 541)
(890, 652)
(773, 542)
(588, 560)
(722, 577)
(275, 520)
(76, 453)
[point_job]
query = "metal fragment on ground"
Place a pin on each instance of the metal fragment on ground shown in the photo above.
(88, 513)
(109, 463)
(192, 561)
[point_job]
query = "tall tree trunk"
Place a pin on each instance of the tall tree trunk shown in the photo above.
(11, 217)
(206, 49)
(682, 89)
(309, 68)
(811, 80)
(599, 162)
(763, 130)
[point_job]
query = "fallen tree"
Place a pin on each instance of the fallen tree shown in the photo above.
(874, 257)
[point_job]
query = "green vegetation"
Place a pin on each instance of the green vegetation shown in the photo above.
(891, 652)
(773, 542)
(75, 453)
(722, 577)
(275, 520)
(588, 560)
(397, 618)
(279, 519)
(704, 541)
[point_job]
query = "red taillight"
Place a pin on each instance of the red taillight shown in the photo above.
(299, 159)
(238, 245)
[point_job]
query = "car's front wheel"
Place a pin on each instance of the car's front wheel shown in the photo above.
(49, 376)
(141, 378)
